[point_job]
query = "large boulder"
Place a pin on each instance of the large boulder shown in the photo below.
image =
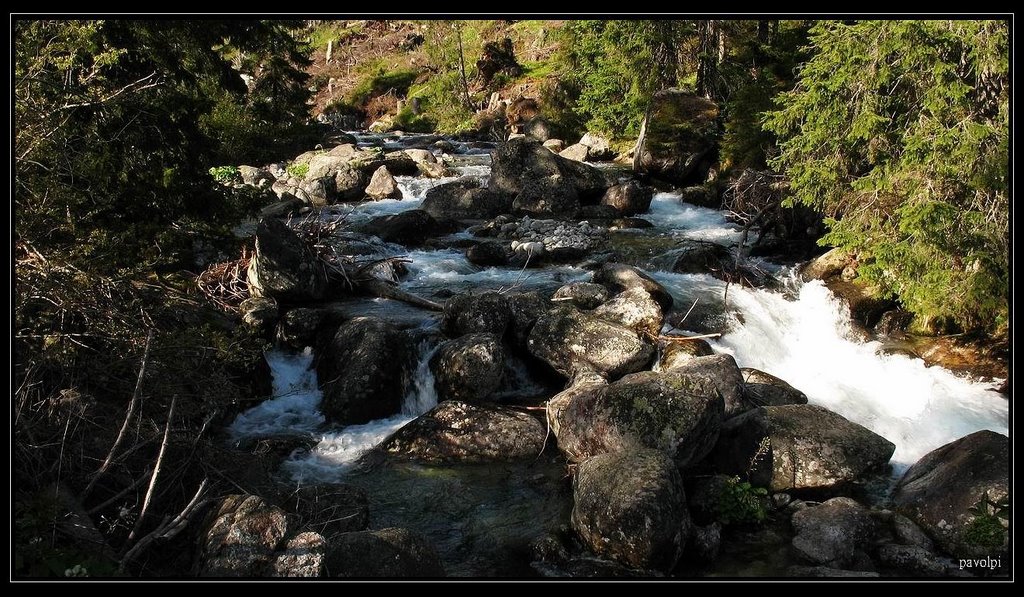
(468, 313)
(679, 132)
(568, 339)
(457, 432)
(489, 253)
(360, 371)
(945, 491)
(721, 371)
(386, 553)
(576, 152)
(299, 327)
(678, 414)
(800, 446)
(701, 257)
(465, 199)
(631, 507)
(831, 263)
(764, 389)
(301, 557)
(830, 533)
(629, 198)
(635, 309)
(469, 368)
(600, 149)
(383, 186)
(676, 353)
(284, 267)
(525, 308)
(618, 277)
(259, 312)
(584, 295)
(409, 228)
(342, 180)
(240, 537)
(541, 182)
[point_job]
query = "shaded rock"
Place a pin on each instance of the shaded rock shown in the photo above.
(464, 199)
(568, 339)
(386, 553)
(476, 313)
(721, 371)
(600, 149)
(410, 228)
(349, 184)
(633, 308)
(525, 308)
(629, 198)
(457, 432)
(538, 129)
(330, 509)
(489, 253)
(468, 368)
(287, 206)
(701, 257)
(764, 389)
(618, 277)
(318, 192)
(359, 372)
(583, 295)
(598, 212)
(672, 412)
(240, 536)
(908, 533)
(910, 558)
(541, 182)
(283, 267)
(256, 177)
(383, 186)
(259, 312)
(299, 326)
(829, 534)
(939, 491)
(705, 542)
(577, 152)
(701, 196)
(583, 382)
(302, 557)
(631, 507)
(798, 446)
(675, 354)
(679, 131)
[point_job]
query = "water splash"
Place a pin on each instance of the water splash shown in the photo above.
(667, 212)
(294, 405)
(809, 342)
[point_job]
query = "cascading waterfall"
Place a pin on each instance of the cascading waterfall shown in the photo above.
(294, 410)
(809, 342)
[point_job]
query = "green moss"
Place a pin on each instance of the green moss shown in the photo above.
(985, 533)
(380, 81)
(298, 170)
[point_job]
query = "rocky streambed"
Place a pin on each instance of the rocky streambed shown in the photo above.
(493, 375)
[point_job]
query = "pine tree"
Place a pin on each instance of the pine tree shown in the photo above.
(899, 132)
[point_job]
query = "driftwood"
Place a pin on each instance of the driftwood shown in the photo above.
(386, 289)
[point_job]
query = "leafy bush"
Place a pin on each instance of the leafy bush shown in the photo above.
(741, 503)
(224, 174)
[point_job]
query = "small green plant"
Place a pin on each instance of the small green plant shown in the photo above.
(741, 503)
(298, 170)
(986, 530)
(224, 174)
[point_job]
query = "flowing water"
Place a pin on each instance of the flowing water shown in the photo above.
(482, 518)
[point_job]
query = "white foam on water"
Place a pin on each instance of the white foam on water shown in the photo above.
(667, 212)
(449, 269)
(294, 405)
(337, 450)
(809, 342)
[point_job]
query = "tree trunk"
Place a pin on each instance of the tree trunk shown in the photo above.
(710, 53)
(462, 68)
